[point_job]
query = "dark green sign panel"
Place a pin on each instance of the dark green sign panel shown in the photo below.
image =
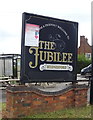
(49, 49)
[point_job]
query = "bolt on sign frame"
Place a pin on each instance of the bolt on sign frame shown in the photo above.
(48, 49)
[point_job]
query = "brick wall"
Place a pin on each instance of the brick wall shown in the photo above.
(23, 101)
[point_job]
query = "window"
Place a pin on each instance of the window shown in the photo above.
(88, 55)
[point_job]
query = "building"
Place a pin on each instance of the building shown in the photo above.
(85, 48)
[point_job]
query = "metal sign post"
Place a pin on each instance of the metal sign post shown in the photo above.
(91, 87)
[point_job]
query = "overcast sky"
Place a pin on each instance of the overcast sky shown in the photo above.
(11, 18)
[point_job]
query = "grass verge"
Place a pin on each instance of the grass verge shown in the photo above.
(82, 112)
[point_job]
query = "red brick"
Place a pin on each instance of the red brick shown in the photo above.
(37, 103)
(62, 97)
(48, 98)
(84, 46)
(32, 103)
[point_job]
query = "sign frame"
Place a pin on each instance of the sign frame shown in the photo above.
(59, 66)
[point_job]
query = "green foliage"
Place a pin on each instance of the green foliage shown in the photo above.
(82, 62)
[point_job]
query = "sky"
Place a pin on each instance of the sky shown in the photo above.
(11, 18)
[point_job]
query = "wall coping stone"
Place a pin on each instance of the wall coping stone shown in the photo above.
(23, 88)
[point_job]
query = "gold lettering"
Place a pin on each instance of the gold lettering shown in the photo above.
(70, 57)
(58, 57)
(55, 57)
(64, 57)
(42, 55)
(41, 44)
(52, 45)
(31, 49)
(49, 56)
(47, 45)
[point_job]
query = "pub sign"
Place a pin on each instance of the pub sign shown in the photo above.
(48, 49)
